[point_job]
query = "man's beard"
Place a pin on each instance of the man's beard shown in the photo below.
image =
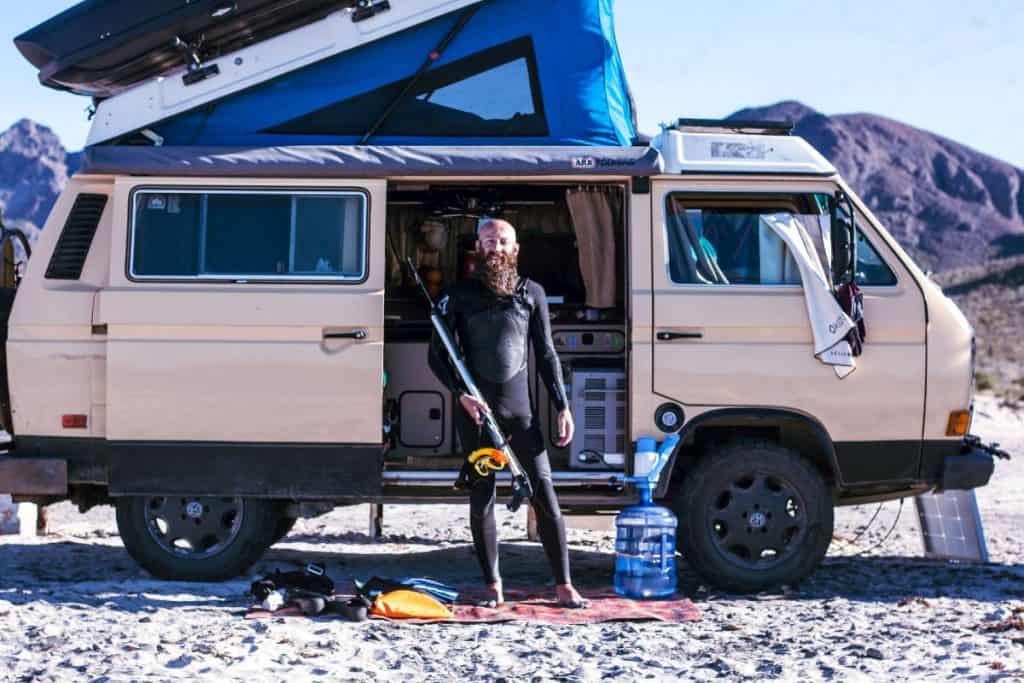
(498, 271)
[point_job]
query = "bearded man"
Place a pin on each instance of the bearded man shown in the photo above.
(496, 317)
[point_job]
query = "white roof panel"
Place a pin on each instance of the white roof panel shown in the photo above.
(714, 152)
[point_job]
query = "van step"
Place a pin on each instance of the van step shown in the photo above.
(434, 478)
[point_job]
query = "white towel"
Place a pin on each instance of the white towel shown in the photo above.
(829, 323)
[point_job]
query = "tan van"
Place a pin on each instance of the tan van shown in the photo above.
(218, 341)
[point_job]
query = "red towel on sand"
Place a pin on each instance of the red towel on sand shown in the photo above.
(531, 606)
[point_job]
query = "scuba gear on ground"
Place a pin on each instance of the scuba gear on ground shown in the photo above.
(313, 579)
(521, 489)
(645, 540)
(487, 461)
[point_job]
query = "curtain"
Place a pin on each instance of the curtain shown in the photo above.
(593, 219)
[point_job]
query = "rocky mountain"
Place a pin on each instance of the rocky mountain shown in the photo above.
(947, 204)
(33, 169)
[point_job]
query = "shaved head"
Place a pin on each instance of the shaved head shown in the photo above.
(496, 224)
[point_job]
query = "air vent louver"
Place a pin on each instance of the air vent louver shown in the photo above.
(76, 237)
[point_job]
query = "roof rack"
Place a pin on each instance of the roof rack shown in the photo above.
(747, 126)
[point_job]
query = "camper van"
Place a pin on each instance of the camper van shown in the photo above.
(219, 338)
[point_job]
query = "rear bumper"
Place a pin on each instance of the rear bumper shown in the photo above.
(33, 476)
(970, 468)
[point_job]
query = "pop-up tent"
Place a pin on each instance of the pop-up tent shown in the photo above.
(497, 72)
(516, 72)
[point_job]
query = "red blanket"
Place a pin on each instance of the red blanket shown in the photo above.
(531, 606)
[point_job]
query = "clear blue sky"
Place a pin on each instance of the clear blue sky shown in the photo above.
(948, 66)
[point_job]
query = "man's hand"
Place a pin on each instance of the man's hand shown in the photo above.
(566, 428)
(475, 408)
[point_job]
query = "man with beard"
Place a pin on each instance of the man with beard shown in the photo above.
(495, 317)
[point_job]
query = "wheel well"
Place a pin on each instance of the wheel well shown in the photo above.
(802, 434)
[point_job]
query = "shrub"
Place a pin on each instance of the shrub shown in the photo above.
(983, 381)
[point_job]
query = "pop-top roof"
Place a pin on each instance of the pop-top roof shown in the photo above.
(100, 47)
(496, 72)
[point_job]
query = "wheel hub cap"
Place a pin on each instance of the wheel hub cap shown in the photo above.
(195, 528)
(758, 520)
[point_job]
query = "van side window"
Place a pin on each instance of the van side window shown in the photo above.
(248, 234)
(871, 269)
(722, 239)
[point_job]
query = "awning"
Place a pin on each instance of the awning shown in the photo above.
(342, 161)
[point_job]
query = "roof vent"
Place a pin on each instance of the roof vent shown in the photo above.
(76, 237)
(734, 126)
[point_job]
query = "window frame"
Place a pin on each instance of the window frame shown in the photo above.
(726, 195)
(747, 287)
(311, 124)
(250, 278)
(859, 229)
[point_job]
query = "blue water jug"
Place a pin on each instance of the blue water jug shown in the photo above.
(645, 538)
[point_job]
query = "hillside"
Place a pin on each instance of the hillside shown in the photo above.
(33, 169)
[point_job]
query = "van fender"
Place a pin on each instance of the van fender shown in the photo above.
(810, 430)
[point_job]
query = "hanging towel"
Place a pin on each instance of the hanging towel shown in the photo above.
(829, 324)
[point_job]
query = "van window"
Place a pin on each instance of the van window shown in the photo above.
(241, 234)
(494, 92)
(871, 269)
(721, 239)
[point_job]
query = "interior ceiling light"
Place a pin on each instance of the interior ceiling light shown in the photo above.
(223, 9)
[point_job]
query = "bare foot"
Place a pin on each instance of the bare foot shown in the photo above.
(570, 597)
(495, 596)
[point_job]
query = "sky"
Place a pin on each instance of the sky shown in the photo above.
(951, 67)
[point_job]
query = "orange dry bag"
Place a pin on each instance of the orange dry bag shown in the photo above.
(407, 604)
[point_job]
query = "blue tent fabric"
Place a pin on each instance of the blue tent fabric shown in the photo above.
(568, 47)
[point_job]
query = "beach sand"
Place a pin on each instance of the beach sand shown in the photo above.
(74, 606)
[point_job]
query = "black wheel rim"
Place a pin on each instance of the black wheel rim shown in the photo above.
(191, 527)
(757, 520)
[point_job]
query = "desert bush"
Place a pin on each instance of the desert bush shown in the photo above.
(983, 381)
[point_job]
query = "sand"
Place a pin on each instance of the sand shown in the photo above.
(74, 606)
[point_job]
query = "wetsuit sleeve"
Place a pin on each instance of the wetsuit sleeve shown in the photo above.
(544, 348)
(437, 357)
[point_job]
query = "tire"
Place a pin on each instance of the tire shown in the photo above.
(189, 538)
(284, 525)
(729, 508)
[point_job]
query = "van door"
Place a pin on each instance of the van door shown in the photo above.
(731, 327)
(244, 313)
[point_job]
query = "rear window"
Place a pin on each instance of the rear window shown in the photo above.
(234, 235)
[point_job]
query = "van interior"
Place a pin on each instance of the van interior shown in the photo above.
(572, 242)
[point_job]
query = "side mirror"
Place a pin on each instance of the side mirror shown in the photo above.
(844, 240)
(842, 251)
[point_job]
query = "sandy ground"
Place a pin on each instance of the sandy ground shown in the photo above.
(74, 606)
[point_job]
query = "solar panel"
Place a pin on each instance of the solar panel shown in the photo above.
(951, 526)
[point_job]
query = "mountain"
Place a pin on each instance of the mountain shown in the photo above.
(947, 204)
(33, 169)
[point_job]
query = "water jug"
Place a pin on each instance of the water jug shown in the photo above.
(645, 539)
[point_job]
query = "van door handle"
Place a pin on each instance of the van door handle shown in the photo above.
(354, 334)
(669, 336)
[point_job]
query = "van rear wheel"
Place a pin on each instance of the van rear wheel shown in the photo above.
(753, 515)
(195, 538)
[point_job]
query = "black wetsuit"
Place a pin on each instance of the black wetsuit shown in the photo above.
(494, 333)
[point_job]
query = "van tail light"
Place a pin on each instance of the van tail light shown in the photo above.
(959, 421)
(74, 421)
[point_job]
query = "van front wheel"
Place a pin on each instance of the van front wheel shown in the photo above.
(195, 538)
(753, 515)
